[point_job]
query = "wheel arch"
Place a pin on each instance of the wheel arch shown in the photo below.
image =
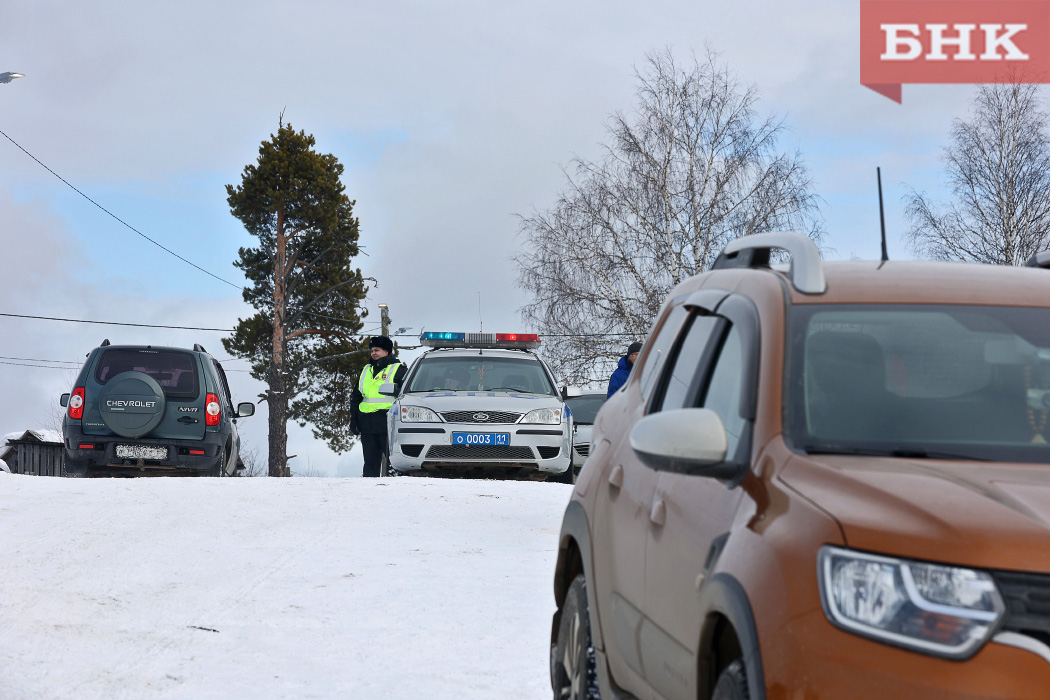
(728, 632)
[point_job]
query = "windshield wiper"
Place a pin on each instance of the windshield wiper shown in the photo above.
(882, 452)
(512, 388)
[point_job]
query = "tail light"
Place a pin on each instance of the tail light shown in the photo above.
(212, 412)
(76, 404)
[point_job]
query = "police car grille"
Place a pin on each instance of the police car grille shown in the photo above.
(492, 417)
(479, 452)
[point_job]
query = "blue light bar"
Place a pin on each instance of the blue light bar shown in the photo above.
(431, 335)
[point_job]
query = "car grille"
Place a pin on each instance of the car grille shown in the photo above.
(548, 452)
(507, 452)
(491, 417)
(583, 448)
(1027, 599)
(411, 450)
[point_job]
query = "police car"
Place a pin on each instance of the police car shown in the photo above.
(480, 405)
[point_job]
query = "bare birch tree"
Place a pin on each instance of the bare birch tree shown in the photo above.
(689, 169)
(998, 169)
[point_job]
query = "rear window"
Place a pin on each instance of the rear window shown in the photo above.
(174, 371)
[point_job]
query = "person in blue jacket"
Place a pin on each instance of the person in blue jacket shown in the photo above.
(623, 368)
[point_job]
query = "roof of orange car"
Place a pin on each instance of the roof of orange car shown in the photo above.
(911, 282)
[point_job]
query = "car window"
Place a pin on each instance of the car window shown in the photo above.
(174, 371)
(440, 372)
(678, 385)
(585, 408)
(725, 389)
(965, 381)
(659, 347)
(222, 380)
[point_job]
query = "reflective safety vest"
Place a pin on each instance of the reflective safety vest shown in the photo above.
(368, 385)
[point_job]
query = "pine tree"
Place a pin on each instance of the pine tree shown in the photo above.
(308, 296)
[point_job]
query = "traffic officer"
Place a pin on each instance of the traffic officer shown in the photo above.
(369, 408)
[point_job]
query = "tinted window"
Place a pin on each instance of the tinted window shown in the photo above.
(440, 372)
(659, 347)
(585, 408)
(725, 389)
(679, 382)
(174, 371)
(223, 382)
(964, 381)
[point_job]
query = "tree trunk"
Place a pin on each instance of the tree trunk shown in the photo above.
(278, 404)
(278, 398)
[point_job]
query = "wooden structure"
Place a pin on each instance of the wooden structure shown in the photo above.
(37, 452)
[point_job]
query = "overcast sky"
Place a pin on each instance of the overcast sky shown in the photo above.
(450, 118)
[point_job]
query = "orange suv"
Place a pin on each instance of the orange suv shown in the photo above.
(821, 480)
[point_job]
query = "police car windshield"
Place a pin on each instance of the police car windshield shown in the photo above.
(439, 372)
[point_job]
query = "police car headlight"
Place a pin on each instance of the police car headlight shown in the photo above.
(418, 414)
(545, 416)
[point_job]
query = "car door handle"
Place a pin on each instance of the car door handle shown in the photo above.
(616, 476)
(187, 420)
(658, 513)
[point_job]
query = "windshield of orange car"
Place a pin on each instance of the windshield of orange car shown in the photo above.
(968, 382)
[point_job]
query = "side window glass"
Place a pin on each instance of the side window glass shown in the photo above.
(724, 391)
(660, 346)
(681, 374)
(222, 380)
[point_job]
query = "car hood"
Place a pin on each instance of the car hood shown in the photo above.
(988, 515)
(441, 401)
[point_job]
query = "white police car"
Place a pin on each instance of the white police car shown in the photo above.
(481, 405)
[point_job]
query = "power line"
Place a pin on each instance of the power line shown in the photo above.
(118, 323)
(167, 250)
(36, 359)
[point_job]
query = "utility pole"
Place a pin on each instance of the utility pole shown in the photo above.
(384, 315)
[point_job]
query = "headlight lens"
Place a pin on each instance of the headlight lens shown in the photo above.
(418, 414)
(545, 416)
(943, 610)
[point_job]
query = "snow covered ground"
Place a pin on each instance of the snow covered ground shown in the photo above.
(366, 589)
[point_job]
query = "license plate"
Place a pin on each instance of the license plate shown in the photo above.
(141, 452)
(480, 438)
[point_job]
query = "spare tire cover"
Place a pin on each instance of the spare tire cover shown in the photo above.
(132, 404)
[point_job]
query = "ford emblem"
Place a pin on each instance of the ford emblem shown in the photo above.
(481, 416)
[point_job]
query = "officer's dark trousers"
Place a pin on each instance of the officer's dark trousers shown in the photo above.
(373, 445)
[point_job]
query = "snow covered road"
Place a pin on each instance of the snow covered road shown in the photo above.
(276, 588)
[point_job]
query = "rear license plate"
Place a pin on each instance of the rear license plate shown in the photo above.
(141, 452)
(480, 438)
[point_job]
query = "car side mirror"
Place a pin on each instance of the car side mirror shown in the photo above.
(388, 389)
(245, 409)
(684, 441)
(64, 400)
(564, 393)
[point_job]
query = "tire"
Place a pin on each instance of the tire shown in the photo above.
(72, 469)
(732, 683)
(574, 675)
(220, 469)
(566, 477)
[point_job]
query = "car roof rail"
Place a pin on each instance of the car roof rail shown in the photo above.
(104, 343)
(806, 270)
(197, 347)
(1040, 259)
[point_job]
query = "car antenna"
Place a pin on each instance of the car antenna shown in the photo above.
(882, 216)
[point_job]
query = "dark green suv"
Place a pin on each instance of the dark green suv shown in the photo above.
(139, 410)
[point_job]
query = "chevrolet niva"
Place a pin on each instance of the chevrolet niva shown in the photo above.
(144, 410)
(821, 480)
